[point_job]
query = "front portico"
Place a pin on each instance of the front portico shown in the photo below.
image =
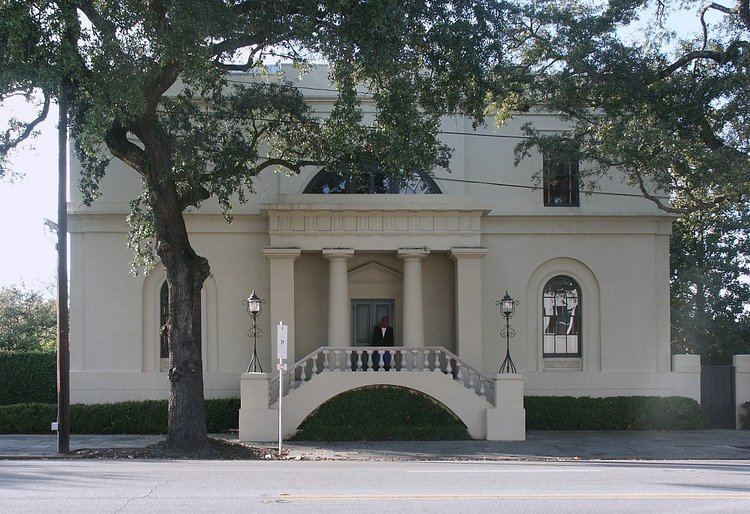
(398, 236)
(378, 250)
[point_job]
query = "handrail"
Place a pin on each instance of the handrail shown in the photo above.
(383, 359)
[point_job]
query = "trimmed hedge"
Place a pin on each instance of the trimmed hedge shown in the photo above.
(143, 417)
(27, 377)
(614, 413)
(381, 413)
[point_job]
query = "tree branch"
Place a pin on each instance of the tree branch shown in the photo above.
(7, 142)
(130, 153)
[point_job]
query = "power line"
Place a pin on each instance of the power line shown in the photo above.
(536, 188)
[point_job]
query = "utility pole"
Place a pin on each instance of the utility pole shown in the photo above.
(63, 325)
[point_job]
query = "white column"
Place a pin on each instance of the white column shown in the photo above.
(413, 312)
(339, 326)
(469, 303)
(282, 295)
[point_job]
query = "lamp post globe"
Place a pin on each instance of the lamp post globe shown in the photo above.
(253, 304)
(507, 305)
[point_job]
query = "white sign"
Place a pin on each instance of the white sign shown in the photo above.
(281, 341)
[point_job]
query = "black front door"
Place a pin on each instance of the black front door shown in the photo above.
(717, 395)
(365, 315)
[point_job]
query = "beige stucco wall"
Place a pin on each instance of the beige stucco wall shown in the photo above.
(615, 246)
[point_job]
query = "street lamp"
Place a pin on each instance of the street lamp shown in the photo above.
(507, 308)
(253, 304)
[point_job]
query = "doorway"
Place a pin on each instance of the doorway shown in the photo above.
(365, 315)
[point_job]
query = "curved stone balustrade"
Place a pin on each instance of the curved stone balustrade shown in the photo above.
(383, 359)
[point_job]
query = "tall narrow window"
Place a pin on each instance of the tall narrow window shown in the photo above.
(561, 318)
(163, 318)
(560, 183)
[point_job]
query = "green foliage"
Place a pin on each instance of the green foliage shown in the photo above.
(28, 377)
(710, 257)
(614, 413)
(141, 417)
(381, 413)
(666, 111)
(27, 320)
(745, 415)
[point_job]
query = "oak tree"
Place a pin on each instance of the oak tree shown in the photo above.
(180, 91)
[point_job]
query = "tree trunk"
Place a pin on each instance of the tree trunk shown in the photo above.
(186, 271)
(187, 419)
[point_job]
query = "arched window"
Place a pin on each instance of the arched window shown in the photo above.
(561, 317)
(163, 318)
(378, 182)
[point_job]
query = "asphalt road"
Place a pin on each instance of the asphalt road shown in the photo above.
(287, 486)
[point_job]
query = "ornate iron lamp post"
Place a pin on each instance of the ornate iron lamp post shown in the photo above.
(253, 304)
(507, 308)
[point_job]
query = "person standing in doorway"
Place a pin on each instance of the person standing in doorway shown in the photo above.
(382, 335)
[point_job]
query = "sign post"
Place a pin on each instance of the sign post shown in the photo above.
(281, 354)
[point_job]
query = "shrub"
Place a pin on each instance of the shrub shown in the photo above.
(141, 417)
(745, 415)
(614, 413)
(381, 413)
(27, 377)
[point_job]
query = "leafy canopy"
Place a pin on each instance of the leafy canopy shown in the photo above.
(668, 110)
(27, 319)
(151, 83)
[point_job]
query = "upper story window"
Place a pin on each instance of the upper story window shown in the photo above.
(379, 182)
(560, 179)
(561, 318)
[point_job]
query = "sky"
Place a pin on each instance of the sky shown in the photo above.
(27, 252)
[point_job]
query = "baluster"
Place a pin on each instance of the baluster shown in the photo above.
(336, 360)
(413, 360)
(437, 360)
(459, 375)
(348, 360)
(482, 391)
(369, 360)
(393, 360)
(315, 365)
(448, 368)
(426, 366)
(381, 360)
(325, 360)
(471, 380)
(303, 374)
(359, 360)
(289, 380)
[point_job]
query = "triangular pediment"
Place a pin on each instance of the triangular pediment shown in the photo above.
(374, 273)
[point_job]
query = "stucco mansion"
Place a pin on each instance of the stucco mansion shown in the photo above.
(333, 255)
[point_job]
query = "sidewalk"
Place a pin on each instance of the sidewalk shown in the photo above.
(604, 445)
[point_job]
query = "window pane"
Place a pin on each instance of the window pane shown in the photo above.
(561, 318)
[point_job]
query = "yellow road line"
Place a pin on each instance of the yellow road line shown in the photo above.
(522, 496)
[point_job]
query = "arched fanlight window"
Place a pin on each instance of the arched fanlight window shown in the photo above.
(379, 182)
(561, 317)
(163, 318)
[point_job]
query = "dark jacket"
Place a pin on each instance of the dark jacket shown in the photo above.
(378, 339)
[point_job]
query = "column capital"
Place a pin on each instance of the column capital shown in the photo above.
(457, 253)
(338, 253)
(413, 254)
(281, 253)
